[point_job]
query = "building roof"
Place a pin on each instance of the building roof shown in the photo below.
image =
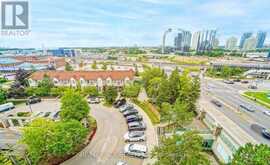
(87, 75)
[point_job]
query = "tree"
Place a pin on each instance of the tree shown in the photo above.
(166, 112)
(163, 92)
(104, 66)
(91, 91)
(3, 96)
(131, 91)
(181, 150)
(153, 88)
(110, 94)
(37, 136)
(68, 67)
(44, 138)
(17, 88)
(151, 73)
(189, 90)
(21, 77)
(94, 65)
(180, 115)
(174, 81)
(252, 155)
(45, 86)
(73, 106)
(66, 136)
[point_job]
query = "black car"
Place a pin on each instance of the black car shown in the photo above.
(119, 103)
(33, 100)
(217, 103)
(244, 81)
(130, 112)
(136, 126)
(133, 118)
(266, 133)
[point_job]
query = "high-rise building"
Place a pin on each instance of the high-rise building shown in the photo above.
(244, 37)
(231, 43)
(215, 43)
(260, 39)
(182, 41)
(195, 40)
(250, 43)
(206, 40)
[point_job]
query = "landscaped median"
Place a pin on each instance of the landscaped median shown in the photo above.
(259, 97)
(149, 109)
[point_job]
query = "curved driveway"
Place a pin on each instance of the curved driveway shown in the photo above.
(106, 148)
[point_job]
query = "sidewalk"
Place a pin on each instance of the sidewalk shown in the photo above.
(151, 135)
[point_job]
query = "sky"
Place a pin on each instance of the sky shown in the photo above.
(101, 23)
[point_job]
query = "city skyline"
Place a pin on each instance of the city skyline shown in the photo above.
(141, 22)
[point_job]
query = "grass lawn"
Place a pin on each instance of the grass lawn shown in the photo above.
(146, 107)
(261, 97)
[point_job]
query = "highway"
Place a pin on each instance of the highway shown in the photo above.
(229, 96)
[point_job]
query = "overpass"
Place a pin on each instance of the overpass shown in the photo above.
(258, 73)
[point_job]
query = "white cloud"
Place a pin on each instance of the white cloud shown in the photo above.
(223, 8)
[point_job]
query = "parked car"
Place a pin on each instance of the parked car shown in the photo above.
(93, 100)
(134, 136)
(33, 100)
(252, 87)
(266, 113)
(228, 82)
(266, 133)
(121, 163)
(237, 80)
(130, 112)
(119, 103)
(216, 102)
(136, 126)
(244, 81)
(6, 107)
(133, 118)
(136, 150)
(247, 108)
(125, 107)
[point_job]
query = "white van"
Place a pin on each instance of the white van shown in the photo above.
(6, 107)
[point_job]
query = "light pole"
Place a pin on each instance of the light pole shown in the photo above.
(164, 40)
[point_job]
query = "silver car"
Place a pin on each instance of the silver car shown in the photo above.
(136, 150)
(134, 136)
(121, 163)
(125, 107)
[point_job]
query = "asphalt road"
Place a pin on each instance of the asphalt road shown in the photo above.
(106, 148)
(231, 99)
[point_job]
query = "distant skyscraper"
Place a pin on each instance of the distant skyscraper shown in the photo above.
(182, 41)
(231, 43)
(260, 39)
(250, 43)
(195, 40)
(215, 43)
(244, 37)
(206, 40)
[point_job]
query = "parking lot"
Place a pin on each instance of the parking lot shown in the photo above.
(52, 105)
(107, 146)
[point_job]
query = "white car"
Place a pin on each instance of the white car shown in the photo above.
(136, 150)
(134, 136)
(93, 100)
(266, 113)
(125, 107)
(121, 163)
